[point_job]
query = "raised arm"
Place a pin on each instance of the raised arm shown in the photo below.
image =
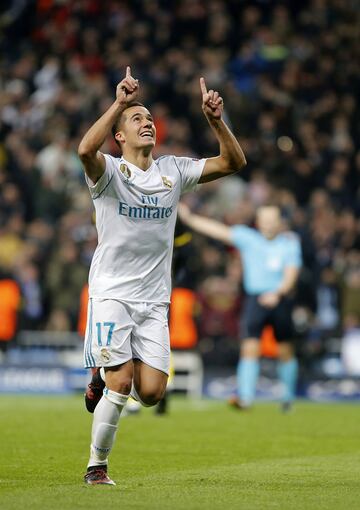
(89, 153)
(206, 226)
(231, 158)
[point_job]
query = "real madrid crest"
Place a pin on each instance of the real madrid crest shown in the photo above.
(125, 170)
(167, 182)
(105, 355)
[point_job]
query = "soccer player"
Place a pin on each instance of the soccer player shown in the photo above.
(271, 263)
(135, 199)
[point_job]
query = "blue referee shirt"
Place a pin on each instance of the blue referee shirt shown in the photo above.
(264, 260)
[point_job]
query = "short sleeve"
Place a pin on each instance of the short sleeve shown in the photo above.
(242, 236)
(97, 189)
(190, 171)
(293, 252)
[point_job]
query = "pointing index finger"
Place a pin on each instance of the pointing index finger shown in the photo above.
(128, 72)
(203, 86)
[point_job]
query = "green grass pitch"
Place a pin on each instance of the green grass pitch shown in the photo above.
(201, 456)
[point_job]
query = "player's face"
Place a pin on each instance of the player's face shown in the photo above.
(268, 220)
(137, 130)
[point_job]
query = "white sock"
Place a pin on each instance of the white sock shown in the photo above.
(102, 373)
(105, 424)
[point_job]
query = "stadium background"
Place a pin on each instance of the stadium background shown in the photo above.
(289, 75)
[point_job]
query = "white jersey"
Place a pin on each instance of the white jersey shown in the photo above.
(135, 220)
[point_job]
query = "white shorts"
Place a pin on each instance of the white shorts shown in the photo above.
(118, 331)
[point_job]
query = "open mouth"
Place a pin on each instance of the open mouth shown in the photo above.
(146, 134)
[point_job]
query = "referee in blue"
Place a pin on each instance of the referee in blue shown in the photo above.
(271, 264)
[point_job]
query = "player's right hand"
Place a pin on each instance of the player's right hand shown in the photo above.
(128, 89)
(269, 299)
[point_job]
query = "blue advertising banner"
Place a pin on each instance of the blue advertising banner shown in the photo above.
(41, 379)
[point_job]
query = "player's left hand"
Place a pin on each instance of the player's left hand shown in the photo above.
(212, 103)
(269, 299)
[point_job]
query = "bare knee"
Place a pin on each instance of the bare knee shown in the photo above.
(119, 379)
(286, 351)
(150, 383)
(151, 396)
(250, 348)
(121, 385)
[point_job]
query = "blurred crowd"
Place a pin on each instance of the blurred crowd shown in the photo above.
(289, 75)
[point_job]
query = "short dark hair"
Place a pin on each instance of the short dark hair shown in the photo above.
(116, 125)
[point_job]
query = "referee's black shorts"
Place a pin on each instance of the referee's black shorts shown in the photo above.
(255, 317)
